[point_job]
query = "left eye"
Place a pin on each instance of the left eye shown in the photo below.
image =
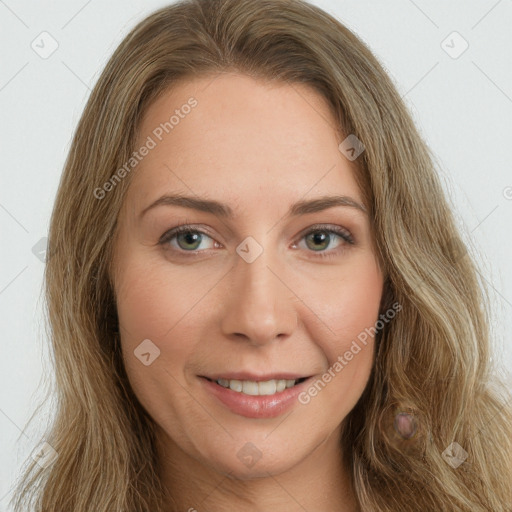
(323, 237)
(187, 239)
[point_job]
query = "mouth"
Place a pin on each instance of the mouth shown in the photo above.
(257, 397)
(257, 387)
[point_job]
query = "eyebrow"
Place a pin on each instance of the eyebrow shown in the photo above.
(222, 210)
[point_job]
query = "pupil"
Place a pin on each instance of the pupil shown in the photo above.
(319, 237)
(190, 235)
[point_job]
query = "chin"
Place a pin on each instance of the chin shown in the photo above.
(246, 460)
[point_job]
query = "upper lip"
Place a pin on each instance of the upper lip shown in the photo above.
(254, 377)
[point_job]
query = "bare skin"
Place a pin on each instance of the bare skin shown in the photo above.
(257, 148)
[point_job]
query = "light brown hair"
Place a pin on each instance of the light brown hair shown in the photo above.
(433, 360)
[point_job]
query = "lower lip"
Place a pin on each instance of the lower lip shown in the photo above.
(256, 406)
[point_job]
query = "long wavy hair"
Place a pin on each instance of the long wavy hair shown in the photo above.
(433, 361)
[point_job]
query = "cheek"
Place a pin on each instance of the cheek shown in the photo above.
(152, 298)
(347, 303)
(154, 306)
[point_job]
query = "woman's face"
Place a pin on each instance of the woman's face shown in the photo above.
(252, 293)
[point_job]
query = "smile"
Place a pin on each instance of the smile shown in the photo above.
(254, 388)
(255, 399)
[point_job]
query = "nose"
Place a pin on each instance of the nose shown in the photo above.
(260, 304)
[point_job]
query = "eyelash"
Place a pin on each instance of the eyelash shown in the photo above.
(336, 230)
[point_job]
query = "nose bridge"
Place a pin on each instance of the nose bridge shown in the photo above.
(260, 308)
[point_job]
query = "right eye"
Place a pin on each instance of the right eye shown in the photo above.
(184, 238)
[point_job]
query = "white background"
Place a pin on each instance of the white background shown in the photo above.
(462, 106)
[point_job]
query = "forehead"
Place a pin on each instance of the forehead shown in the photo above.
(231, 136)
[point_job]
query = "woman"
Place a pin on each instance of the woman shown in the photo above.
(256, 369)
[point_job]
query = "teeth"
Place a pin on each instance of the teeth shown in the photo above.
(250, 387)
(281, 385)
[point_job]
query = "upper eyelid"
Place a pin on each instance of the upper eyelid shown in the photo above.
(325, 227)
